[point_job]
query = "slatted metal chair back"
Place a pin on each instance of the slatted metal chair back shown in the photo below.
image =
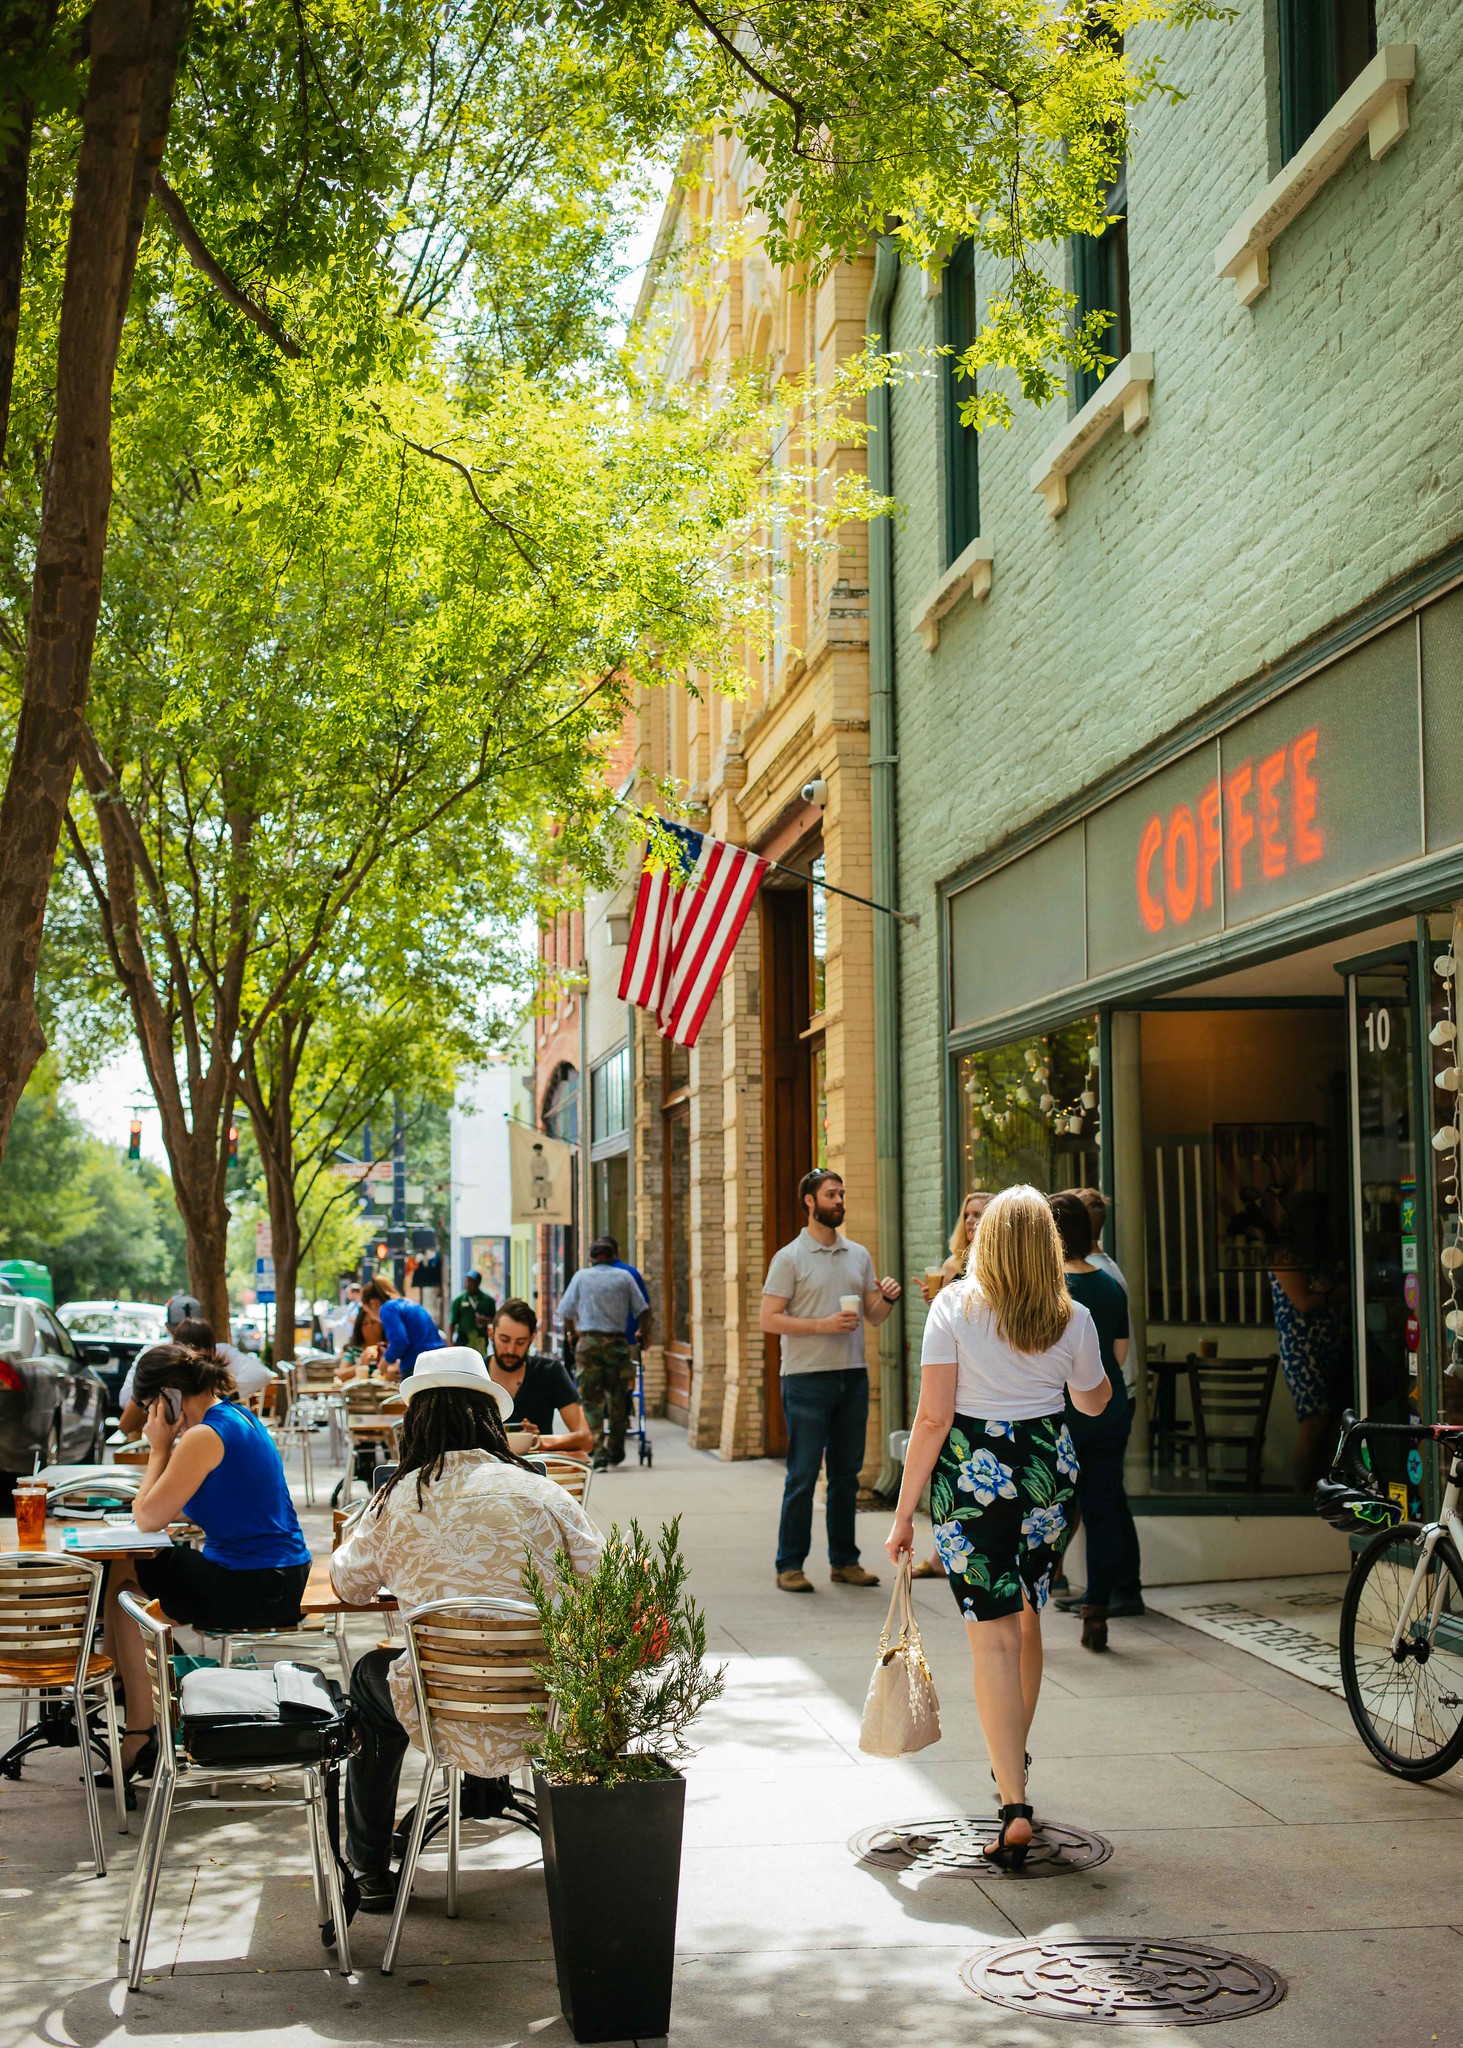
(1231, 1401)
(573, 1474)
(48, 1617)
(157, 1648)
(472, 1666)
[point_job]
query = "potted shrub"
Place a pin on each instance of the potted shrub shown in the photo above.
(624, 1673)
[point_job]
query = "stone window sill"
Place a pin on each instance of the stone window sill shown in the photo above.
(1375, 106)
(970, 571)
(1124, 394)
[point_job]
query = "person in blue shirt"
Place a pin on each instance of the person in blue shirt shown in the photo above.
(212, 1461)
(633, 1323)
(407, 1330)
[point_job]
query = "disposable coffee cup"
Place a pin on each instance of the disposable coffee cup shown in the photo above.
(848, 1304)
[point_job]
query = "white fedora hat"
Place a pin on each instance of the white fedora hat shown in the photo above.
(455, 1365)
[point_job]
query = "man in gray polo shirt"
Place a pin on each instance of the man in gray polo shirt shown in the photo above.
(825, 1378)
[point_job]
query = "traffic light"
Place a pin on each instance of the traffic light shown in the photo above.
(381, 1252)
(233, 1144)
(134, 1138)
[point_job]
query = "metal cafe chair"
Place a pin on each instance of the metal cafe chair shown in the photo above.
(471, 1667)
(575, 1475)
(1230, 1398)
(174, 1767)
(48, 1620)
(293, 1426)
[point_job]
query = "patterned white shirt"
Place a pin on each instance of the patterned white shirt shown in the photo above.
(467, 1541)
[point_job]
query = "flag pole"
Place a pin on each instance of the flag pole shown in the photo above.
(909, 917)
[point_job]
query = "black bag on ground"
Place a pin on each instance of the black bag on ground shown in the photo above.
(285, 1714)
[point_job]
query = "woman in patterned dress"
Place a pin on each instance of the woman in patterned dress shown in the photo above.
(1002, 1348)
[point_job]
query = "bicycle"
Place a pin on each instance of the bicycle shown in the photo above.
(1402, 1614)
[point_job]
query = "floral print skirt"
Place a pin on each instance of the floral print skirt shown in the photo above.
(999, 1495)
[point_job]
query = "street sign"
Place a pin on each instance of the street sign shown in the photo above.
(264, 1296)
(263, 1238)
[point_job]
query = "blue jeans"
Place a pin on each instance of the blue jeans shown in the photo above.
(827, 1414)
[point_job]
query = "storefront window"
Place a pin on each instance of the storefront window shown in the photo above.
(1029, 1111)
(611, 1181)
(610, 1096)
(1443, 1055)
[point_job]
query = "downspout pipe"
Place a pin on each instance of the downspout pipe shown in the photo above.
(888, 1134)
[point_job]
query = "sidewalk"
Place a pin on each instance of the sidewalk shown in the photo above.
(1240, 1806)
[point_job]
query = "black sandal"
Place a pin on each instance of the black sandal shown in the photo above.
(142, 1765)
(1009, 1855)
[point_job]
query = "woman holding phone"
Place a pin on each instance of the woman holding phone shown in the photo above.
(212, 1461)
(1001, 1350)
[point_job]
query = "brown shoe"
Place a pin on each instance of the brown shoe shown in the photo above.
(794, 1582)
(928, 1568)
(1094, 1628)
(852, 1575)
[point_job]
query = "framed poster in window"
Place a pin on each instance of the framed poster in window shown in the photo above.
(1259, 1170)
(490, 1258)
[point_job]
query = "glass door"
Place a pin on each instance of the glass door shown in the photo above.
(1388, 1211)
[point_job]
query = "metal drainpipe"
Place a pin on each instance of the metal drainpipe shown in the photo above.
(887, 1122)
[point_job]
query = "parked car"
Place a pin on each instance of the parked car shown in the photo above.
(52, 1401)
(125, 1327)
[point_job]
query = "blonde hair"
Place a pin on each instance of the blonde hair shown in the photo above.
(959, 1243)
(1018, 1270)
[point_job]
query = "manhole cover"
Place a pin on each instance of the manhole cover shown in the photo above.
(1123, 1982)
(955, 1848)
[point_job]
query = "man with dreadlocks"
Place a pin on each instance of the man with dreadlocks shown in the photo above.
(454, 1522)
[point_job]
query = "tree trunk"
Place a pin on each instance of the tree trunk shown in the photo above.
(267, 1082)
(134, 49)
(28, 29)
(206, 1233)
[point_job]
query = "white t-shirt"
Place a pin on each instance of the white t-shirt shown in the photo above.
(1105, 1263)
(996, 1382)
(250, 1374)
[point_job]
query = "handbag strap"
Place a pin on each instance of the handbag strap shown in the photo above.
(901, 1609)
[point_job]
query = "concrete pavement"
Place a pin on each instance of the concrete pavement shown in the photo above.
(1241, 1808)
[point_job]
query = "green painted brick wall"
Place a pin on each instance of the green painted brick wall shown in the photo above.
(1302, 455)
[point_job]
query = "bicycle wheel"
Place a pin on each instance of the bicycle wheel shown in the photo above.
(1407, 1703)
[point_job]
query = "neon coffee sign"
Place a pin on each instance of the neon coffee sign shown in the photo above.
(1253, 826)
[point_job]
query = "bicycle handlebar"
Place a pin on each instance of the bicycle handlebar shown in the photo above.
(1354, 1431)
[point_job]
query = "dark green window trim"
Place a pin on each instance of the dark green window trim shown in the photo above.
(960, 324)
(1325, 45)
(1100, 282)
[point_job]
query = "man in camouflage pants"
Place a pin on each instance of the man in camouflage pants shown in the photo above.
(598, 1306)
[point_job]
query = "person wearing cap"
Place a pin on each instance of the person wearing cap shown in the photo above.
(597, 1307)
(471, 1315)
(453, 1522)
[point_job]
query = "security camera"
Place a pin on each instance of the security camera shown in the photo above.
(816, 792)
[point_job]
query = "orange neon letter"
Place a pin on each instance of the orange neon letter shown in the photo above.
(1181, 838)
(1309, 844)
(1149, 908)
(1210, 844)
(1272, 846)
(1241, 824)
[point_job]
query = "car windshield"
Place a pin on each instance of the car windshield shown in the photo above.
(113, 1322)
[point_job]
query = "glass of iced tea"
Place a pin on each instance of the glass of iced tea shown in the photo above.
(30, 1513)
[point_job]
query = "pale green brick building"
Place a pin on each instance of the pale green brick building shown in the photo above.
(1178, 724)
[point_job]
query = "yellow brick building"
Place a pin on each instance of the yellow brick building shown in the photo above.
(783, 1075)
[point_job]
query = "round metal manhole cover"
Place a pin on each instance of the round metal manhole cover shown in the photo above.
(955, 1847)
(1123, 1982)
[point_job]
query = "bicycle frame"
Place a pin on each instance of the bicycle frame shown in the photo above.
(1448, 1522)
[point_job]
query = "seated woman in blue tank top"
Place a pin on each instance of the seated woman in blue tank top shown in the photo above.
(213, 1462)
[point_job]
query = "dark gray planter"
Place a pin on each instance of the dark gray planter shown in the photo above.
(612, 1863)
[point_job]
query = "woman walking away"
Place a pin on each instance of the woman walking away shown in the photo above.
(1114, 1569)
(962, 1237)
(999, 1348)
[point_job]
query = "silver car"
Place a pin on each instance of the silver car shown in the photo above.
(52, 1400)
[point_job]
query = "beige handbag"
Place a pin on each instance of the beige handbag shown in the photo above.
(901, 1713)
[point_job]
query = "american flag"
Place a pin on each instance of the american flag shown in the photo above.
(687, 920)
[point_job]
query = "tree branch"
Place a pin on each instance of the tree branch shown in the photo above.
(208, 265)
